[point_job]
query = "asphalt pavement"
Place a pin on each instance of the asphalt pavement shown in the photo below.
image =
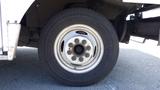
(135, 70)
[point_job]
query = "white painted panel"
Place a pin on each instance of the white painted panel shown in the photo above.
(13, 35)
(12, 12)
(4, 25)
(15, 9)
(1, 44)
(151, 13)
(143, 1)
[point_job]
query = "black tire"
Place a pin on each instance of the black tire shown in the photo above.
(79, 16)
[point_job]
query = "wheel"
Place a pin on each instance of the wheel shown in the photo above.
(79, 46)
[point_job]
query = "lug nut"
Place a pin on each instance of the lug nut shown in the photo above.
(88, 48)
(70, 44)
(74, 58)
(76, 41)
(81, 59)
(69, 52)
(87, 55)
(84, 42)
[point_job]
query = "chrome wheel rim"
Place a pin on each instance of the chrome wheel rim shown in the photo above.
(78, 48)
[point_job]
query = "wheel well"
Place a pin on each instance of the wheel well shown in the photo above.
(41, 11)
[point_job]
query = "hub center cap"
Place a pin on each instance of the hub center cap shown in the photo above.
(79, 50)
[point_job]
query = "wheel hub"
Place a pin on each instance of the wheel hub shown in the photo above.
(79, 50)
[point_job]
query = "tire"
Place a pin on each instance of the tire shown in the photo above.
(79, 76)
